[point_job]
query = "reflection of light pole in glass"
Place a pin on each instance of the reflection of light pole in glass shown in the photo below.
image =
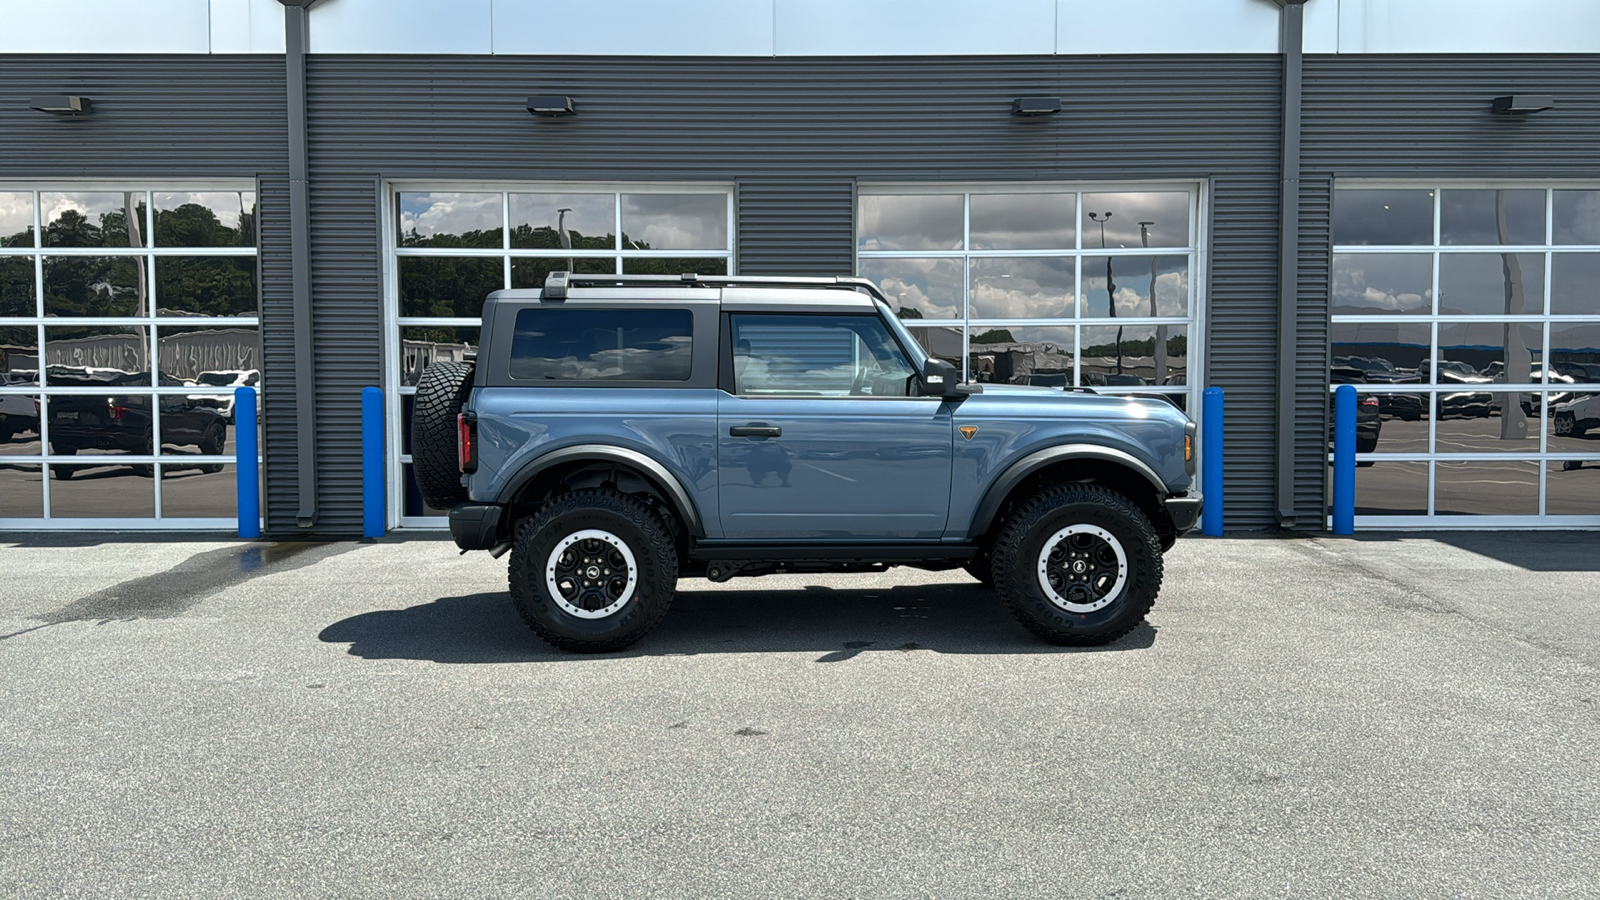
(1159, 351)
(1111, 286)
(561, 228)
(1513, 423)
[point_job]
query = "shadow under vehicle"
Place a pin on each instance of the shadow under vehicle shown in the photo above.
(124, 422)
(1409, 407)
(1369, 419)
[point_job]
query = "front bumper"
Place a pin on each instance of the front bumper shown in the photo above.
(1184, 511)
(476, 526)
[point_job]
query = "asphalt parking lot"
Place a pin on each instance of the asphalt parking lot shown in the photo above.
(1379, 716)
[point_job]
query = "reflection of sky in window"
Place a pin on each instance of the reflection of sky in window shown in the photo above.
(16, 213)
(1055, 335)
(1022, 221)
(1166, 211)
(1382, 283)
(1575, 284)
(1021, 288)
(227, 206)
(932, 222)
(1382, 217)
(437, 213)
(1402, 344)
(1481, 337)
(1475, 283)
(675, 221)
(1469, 217)
(1575, 337)
(1131, 274)
(1577, 217)
(589, 215)
(932, 287)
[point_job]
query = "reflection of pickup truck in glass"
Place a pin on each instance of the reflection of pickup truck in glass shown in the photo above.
(18, 413)
(226, 381)
(114, 420)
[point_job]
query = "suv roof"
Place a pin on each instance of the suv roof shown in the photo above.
(558, 286)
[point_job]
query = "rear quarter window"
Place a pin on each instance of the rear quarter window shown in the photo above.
(621, 345)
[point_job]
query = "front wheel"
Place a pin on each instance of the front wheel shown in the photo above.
(593, 571)
(1078, 565)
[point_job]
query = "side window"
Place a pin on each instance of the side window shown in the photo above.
(817, 356)
(602, 345)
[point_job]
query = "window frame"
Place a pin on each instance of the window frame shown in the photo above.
(727, 379)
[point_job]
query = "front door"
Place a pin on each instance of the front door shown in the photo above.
(822, 436)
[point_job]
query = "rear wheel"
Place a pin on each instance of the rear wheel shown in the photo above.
(593, 571)
(1078, 565)
(440, 394)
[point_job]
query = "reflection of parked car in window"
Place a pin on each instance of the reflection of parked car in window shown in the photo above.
(228, 381)
(1583, 373)
(1380, 371)
(1576, 416)
(1465, 404)
(18, 412)
(124, 422)
(1369, 420)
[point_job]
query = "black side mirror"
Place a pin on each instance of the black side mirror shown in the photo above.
(941, 379)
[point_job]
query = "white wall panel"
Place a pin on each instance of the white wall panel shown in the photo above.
(246, 26)
(401, 26)
(684, 28)
(1169, 26)
(914, 27)
(1468, 26)
(104, 26)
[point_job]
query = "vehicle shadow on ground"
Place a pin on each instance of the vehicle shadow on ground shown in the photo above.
(837, 625)
(1536, 551)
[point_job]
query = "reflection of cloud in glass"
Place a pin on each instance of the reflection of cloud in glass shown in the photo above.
(1131, 274)
(1475, 284)
(1469, 217)
(91, 204)
(1575, 284)
(931, 287)
(1382, 217)
(227, 206)
(930, 222)
(590, 220)
(1166, 211)
(1577, 217)
(1022, 221)
(1021, 288)
(675, 221)
(1380, 283)
(446, 213)
(16, 216)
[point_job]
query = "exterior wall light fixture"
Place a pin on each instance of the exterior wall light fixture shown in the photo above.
(1517, 104)
(551, 105)
(1035, 106)
(61, 104)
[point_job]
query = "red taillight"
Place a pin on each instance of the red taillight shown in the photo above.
(1369, 401)
(112, 409)
(467, 443)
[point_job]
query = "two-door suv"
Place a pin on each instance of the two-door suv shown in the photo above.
(616, 433)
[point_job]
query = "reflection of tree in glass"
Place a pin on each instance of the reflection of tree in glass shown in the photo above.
(196, 225)
(16, 286)
(484, 237)
(73, 229)
(432, 286)
(675, 266)
(93, 285)
(546, 237)
(206, 285)
(906, 312)
(997, 336)
(1177, 346)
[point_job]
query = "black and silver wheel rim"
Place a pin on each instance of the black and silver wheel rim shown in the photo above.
(591, 574)
(1082, 568)
(1561, 425)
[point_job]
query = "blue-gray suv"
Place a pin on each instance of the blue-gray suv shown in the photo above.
(617, 433)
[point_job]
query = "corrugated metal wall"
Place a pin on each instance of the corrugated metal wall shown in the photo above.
(794, 135)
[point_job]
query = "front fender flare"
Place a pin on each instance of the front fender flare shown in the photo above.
(657, 472)
(1033, 462)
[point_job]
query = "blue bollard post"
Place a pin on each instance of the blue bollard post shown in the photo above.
(247, 468)
(372, 463)
(1344, 460)
(1211, 456)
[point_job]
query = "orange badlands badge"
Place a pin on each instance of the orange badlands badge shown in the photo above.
(967, 431)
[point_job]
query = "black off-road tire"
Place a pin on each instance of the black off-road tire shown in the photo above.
(534, 552)
(440, 393)
(1022, 542)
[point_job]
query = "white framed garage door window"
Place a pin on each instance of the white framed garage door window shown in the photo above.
(446, 246)
(1045, 284)
(1471, 314)
(129, 313)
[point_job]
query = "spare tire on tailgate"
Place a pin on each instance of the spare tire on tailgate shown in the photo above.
(440, 393)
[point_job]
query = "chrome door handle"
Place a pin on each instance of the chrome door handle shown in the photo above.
(755, 430)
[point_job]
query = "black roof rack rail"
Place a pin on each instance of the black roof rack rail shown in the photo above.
(556, 284)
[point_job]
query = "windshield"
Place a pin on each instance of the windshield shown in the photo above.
(918, 355)
(216, 378)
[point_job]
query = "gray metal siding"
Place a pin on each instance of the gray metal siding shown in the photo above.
(793, 134)
(1311, 351)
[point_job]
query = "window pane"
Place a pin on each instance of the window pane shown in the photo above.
(1130, 279)
(447, 287)
(830, 356)
(96, 356)
(85, 219)
(1497, 488)
(1390, 488)
(632, 266)
(423, 345)
(590, 221)
(438, 219)
(1469, 353)
(1157, 219)
(95, 286)
(1034, 355)
(21, 491)
(1577, 217)
(99, 424)
(16, 219)
(674, 222)
(1474, 217)
(210, 356)
(1575, 423)
(1023, 221)
(205, 218)
(1134, 355)
(1572, 488)
(1575, 284)
(602, 345)
(918, 288)
(101, 489)
(1399, 426)
(16, 286)
(1382, 217)
(1475, 422)
(206, 286)
(931, 222)
(1491, 284)
(19, 354)
(531, 272)
(19, 419)
(199, 492)
(196, 424)
(1387, 351)
(1373, 283)
(941, 341)
(1028, 287)
(1575, 350)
